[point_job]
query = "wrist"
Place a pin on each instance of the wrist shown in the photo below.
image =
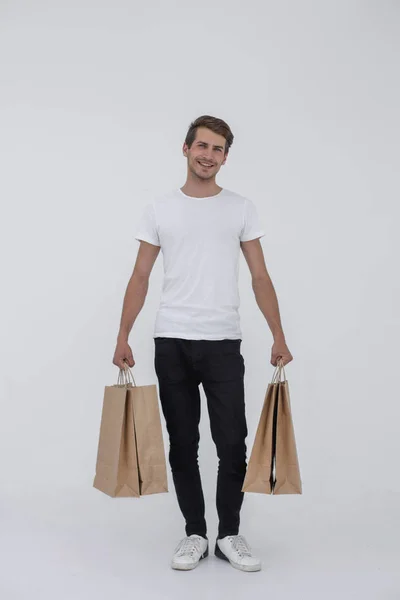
(122, 336)
(279, 336)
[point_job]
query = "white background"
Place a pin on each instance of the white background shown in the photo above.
(96, 99)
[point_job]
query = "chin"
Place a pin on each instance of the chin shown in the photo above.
(201, 175)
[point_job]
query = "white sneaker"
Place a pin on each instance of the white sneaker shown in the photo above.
(237, 551)
(189, 552)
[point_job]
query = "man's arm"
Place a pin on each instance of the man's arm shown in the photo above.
(136, 290)
(133, 301)
(263, 287)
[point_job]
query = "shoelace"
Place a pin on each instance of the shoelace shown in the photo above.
(240, 545)
(188, 546)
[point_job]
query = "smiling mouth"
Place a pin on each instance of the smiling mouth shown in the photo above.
(204, 165)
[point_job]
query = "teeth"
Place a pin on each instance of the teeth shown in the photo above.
(204, 164)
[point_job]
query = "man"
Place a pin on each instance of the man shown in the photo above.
(200, 229)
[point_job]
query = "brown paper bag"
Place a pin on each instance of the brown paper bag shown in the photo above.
(273, 467)
(130, 458)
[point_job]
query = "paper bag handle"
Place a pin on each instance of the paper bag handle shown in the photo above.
(125, 374)
(121, 377)
(278, 371)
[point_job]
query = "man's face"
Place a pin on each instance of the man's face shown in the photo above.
(207, 148)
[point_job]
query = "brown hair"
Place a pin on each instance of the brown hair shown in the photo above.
(216, 125)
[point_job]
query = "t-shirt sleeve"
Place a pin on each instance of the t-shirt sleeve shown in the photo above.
(251, 224)
(146, 229)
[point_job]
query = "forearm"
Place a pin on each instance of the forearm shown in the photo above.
(134, 298)
(268, 304)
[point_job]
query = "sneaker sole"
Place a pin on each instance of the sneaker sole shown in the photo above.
(218, 552)
(188, 567)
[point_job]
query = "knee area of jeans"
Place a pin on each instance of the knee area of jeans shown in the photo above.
(184, 453)
(233, 452)
(184, 444)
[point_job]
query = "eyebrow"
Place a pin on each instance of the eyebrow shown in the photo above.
(201, 142)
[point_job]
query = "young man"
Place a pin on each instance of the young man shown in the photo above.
(200, 229)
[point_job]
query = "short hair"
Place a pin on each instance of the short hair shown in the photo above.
(216, 125)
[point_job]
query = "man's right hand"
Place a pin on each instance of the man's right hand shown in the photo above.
(123, 354)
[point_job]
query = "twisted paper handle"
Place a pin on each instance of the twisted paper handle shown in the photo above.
(125, 375)
(278, 371)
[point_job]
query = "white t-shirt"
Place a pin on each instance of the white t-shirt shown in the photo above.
(200, 242)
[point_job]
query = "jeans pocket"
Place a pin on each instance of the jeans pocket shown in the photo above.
(231, 346)
(169, 362)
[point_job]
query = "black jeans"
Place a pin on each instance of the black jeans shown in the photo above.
(181, 365)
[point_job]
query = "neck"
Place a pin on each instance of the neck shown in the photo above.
(201, 189)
